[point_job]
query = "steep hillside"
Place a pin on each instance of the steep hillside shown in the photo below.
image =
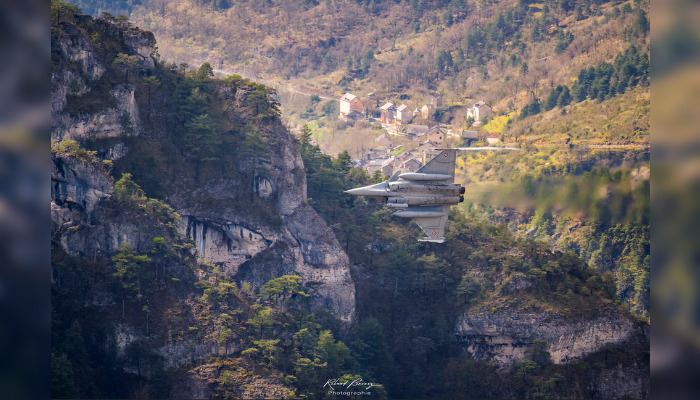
(485, 315)
(555, 72)
(500, 51)
(176, 199)
(581, 183)
(112, 96)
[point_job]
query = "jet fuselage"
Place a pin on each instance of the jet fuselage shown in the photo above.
(414, 189)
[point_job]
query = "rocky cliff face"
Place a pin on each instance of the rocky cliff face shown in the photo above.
(80, 74)
(257, 252)
(502, 337)
(247, 247)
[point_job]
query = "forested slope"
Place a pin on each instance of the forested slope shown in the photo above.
(444, 317)
(179, 265)
(505, 52)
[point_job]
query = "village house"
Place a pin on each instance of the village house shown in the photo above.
(402, 157)
(427, 145)
(382, 139)
(354, 116)
(388, 113)
(427, 150)
(386, 165)
(411, 165)
(414, 131)
(403, 114)
(436, 134)
(470, 134)
(479, 111)
(349, 102)
(378, 153)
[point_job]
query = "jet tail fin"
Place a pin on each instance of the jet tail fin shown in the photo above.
(443, 163)
(395, 176)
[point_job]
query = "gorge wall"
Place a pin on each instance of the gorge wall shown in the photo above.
(502, 337)
(91, 106)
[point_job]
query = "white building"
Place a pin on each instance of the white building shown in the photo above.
(479, 110)
(403, 114)
(348, 103)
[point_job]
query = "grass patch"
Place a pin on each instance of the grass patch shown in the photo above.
(497, 124)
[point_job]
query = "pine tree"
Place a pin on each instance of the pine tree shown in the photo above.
(564, 98)
(286, 285)
(261, 100)
(205, 72)
(343, 163)
(202, 140)
(194, 104)
(553, 98)
(641, 23)
(62, 377)
(129, 269)
(127, 191)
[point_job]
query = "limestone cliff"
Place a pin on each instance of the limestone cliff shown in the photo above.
(103, 113)
(502, 337)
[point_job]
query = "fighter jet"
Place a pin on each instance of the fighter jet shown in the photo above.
(425, 195)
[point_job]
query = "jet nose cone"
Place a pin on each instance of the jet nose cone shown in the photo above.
(371, 190)
(356, 191)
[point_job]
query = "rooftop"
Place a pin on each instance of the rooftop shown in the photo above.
(435, 129)
(416, 129)
(348, 97)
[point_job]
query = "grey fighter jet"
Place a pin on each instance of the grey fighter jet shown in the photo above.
(425, 195)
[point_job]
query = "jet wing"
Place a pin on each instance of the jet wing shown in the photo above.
(434, 227)
(443, 163)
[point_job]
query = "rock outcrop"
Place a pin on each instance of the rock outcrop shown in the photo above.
(79, 74)
(295, 240)
(502, 337)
